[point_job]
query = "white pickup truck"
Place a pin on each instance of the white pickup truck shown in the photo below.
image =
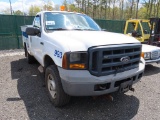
(151, 54)
(78, 58)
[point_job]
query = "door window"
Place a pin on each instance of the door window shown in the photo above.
(131, 27)
(37, 22)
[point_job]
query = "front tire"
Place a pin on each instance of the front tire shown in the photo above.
(54, 87)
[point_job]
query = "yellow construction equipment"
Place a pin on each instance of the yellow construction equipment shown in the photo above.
(138, 28)
(146, 31)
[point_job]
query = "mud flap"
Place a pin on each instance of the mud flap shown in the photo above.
(125, 86)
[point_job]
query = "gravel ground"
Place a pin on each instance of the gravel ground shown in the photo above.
(23, 96)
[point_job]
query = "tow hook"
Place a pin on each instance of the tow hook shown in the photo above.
(132, 89)
(108, 97)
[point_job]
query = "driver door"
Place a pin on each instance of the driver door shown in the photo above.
(37, 43)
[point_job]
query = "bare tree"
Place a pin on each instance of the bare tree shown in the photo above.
(158, 4)
(150, 10)
(131, 8)
(109, 9)
(106, 3)
(82, 5)
(78, 3)
(137, 9)
(121, 6)
(113, 12)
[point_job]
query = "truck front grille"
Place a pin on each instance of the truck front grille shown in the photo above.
(154, 55)
(105, 60)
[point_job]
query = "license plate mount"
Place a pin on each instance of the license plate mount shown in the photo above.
(125, 86)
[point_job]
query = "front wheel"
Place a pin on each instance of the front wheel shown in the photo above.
(54, 87)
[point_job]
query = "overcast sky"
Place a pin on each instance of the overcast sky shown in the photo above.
(24, 5)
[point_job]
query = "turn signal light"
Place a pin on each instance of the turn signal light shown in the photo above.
(77, 66)
(74, 61)
(142, 54)
(64, 61)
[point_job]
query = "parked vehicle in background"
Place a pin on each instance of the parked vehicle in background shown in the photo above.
(78, 58)
(138, 28)
(146, 31)
(151, 54)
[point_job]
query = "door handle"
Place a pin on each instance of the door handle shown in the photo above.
(41, 43)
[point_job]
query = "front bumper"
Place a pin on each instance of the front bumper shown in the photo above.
(82, 83)
(153, 61)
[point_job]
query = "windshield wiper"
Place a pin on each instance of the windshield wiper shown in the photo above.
(76, 29)
(65, 29)
(81, 29)
(89, 29)
(58, 29)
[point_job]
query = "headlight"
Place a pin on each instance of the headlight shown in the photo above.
(146, 55)
(74, 57)
(75, 60)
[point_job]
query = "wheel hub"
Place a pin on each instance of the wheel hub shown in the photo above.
(51, 86)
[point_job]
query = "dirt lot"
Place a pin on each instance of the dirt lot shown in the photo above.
(23, 96)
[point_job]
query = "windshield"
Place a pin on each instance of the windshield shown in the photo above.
(69, 21)
(146, 28)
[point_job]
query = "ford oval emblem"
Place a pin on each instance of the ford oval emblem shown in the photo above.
(125, 59)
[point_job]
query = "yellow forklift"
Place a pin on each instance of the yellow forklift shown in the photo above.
(138, 28)
(146, 31)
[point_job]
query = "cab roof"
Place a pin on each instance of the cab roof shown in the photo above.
(57, 12)
(137, 20)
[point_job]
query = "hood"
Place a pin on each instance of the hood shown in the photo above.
(149, 48)
(82, 40)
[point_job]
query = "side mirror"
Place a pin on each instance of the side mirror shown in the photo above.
(32, 31)
(103, 30)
